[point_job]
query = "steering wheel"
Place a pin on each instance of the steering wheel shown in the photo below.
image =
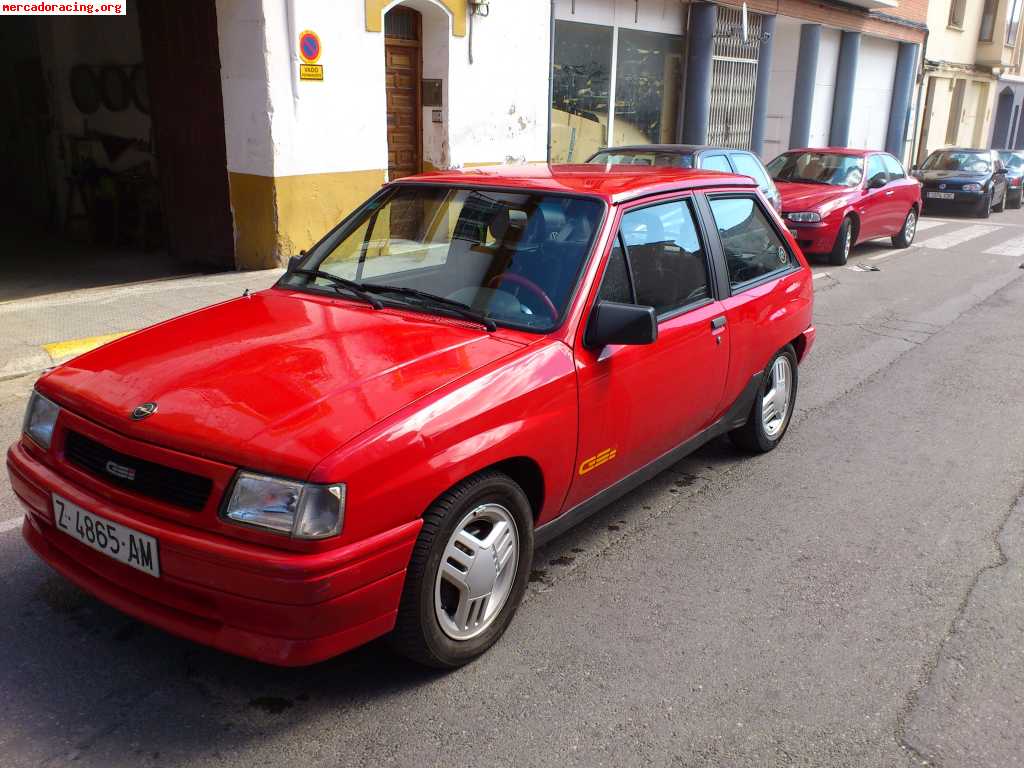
(529, 285)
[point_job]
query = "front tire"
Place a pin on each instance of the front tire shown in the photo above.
(773, 405)
(840, 252)
(905, 236)
(467, 574)
(985, 207)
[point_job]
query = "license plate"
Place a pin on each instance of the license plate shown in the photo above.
(117, 541)
(942, 195)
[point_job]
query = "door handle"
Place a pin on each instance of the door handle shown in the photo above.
(889, 193)
(718, 323)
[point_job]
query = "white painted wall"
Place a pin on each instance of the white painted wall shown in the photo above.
(872, 94)
(824, 87)
(781, 86)
(667, 16)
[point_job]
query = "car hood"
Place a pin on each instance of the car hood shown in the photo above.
(952, 176)
(812, 197)
(274, 381)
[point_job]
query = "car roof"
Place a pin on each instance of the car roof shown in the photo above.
(850, 151)
(674, 149)
(614, 184)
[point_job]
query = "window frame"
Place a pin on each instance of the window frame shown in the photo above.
(691, 200)
(954, 7)
(1014, 9)
(794, 263)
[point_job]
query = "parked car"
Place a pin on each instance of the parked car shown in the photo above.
(465, 367)
(965, 178)
(709, 158)
(1013, 161)
(834, 198)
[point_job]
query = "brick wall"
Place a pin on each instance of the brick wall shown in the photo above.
(844, 17)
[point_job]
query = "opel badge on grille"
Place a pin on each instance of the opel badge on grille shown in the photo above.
(143, 411)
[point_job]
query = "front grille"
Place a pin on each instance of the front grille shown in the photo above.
(173, 486)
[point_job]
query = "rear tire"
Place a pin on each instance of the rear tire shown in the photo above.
(905, 237)
(1013, 200)
(773, 405)
(430, 629)
(840, 252)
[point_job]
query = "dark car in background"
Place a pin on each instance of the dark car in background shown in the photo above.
(1014, 162)
(965, 178)
(710, 158)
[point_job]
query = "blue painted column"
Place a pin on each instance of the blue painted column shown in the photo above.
(764, 70)
(803, 91)
(902, 90)
(701, 47)
(846, 79)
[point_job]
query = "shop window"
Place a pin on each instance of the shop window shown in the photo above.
(580, 92)
(646, 87)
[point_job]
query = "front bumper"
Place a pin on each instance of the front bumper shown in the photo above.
(814, 237)
(959, 197)
(282, 608)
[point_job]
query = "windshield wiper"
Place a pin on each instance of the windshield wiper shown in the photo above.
(340, 282)
(432, 298)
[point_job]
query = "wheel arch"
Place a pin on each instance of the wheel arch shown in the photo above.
(524, 471)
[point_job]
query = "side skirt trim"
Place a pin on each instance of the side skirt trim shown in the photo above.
(735, 417)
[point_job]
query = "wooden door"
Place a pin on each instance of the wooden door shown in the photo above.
(180, 53)
(402, 82)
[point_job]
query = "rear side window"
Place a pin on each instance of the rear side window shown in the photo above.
(749, 166)
(753, 249)
(716, 163)
(664, 261)
(892, 165)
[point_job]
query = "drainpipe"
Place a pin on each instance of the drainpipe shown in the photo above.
(551, 73)
(917, 106)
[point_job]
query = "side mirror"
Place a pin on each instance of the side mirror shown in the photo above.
(915, 167)
(614, 323)
(877, 181)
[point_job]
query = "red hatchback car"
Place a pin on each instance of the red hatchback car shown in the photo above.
(465, 367)
(833, 199)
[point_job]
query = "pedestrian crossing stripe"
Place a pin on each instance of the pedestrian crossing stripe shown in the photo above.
(957, 237)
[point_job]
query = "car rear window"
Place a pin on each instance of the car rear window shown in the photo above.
(643, 157)
(753, 249)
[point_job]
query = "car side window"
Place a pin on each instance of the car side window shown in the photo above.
(716, 163)
(753, 249)
(665, 263)
(748, 165)
(876, 167)
(893, 166)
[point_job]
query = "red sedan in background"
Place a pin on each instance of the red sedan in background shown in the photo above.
(833, 199)
(462, 369)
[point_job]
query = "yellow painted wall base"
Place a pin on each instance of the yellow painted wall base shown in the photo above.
(276, 217)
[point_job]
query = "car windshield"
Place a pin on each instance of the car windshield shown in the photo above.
(643, 157)
(818, 168)
(1014, 161)
(512, 258)
(971, 162)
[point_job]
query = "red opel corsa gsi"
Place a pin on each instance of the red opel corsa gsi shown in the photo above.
(465, 367)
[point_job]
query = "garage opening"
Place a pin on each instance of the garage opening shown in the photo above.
(112, 147)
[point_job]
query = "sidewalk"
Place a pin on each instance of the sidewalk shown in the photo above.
(39, 332)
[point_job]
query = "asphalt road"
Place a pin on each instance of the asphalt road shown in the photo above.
(852, 599)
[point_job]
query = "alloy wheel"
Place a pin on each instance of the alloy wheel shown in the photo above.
(775, 403)
(910, 227)
(477, 571)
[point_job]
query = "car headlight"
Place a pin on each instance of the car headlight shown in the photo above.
(300, 510)
(972, 187)
(40, 418)
(807, 217)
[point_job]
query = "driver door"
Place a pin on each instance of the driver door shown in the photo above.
(638, 402)
(875, 207)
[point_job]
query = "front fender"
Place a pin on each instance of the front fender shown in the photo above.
(524, 405)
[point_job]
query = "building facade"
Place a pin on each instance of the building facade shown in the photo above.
(971, 91)
(256, 125)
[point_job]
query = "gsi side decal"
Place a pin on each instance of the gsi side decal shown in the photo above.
(596, 461)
